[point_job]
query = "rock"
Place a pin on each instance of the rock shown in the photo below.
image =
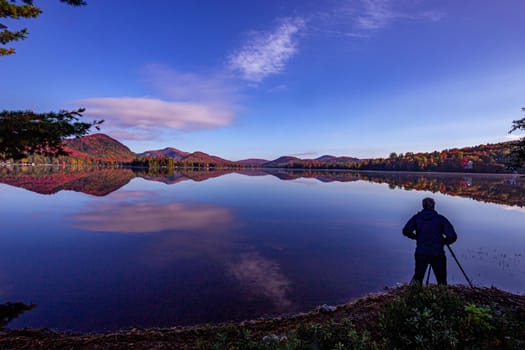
(326, 309)
(272, 338)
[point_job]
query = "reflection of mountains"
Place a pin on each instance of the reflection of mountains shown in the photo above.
(500, 189)
(174, 177)
(47, 180)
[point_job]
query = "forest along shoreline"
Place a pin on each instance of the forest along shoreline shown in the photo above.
(399, 317)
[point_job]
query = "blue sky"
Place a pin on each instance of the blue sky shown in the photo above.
(262, 79)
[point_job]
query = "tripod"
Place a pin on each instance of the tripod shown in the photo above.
(459, 265)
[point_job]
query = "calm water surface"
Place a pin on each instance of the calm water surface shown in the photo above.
(114, 249)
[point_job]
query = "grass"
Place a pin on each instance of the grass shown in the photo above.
(410, 317)
(421, 317)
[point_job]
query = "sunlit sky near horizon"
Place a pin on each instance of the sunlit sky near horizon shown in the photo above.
(261, 79)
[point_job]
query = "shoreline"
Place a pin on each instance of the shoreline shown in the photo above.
(363, 313)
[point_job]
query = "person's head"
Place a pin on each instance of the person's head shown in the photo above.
(428, 203)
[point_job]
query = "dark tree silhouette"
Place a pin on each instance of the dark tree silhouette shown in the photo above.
(10, 311)
(26, 132)
(17, 10)
(517, 153)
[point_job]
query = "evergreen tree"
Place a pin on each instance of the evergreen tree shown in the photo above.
(18, 10)
(518, 148)
(26, 132)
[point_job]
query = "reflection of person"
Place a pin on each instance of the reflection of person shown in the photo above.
(431, 232)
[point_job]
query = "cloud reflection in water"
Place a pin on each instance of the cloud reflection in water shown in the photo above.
(147, 217)
(262, 277)
(190, 230)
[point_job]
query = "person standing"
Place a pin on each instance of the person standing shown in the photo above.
(431, 232)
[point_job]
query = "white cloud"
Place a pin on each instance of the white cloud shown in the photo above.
(145, 113)
(511, 137)
(266, 53)
(305, 154)
(377, 14)
(187, 101)
(128, 135)
(360, 19)
(185, 86)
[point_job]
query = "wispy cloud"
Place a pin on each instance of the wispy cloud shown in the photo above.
(188, 86)
(187, 102)
(139, 135)
(377, 14)
(267, 53)
(360, 19)
(144, 113)
(305, 154)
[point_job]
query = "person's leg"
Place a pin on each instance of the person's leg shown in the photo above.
(421, 268)
(439, 265)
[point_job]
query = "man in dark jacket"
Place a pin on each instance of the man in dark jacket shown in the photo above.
(431, 232)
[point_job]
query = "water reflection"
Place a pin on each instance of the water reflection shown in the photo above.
(260, 276)
(172, 248)
(499, 189)
(148, 217)
(50, 180)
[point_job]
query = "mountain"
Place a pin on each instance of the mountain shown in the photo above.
(168, 152)
(98, 147)
(252, 162)
(283, 162)
(489, 158)
(325, 161)
(204, 158)
(332, 160)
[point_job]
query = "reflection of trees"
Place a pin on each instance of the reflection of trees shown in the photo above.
(171, 176)
(10, 311)
(50, 180)
(507, 190)
(500, 189)
(321, 175)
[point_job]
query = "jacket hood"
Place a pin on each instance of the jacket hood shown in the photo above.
(428, 214)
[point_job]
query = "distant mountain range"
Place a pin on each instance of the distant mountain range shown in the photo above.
(96, 148)
(104, 148)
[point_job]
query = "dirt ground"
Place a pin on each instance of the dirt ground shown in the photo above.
(362, 312)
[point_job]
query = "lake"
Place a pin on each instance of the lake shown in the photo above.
(108, 249)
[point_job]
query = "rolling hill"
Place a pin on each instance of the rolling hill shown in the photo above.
(99, 147)
(168, 152)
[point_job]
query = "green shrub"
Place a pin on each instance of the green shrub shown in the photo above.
(423, 318)
(330, 336)
(433, 317)
(333, 335)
